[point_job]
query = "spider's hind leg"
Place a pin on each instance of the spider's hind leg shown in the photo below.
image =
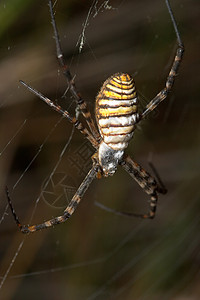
(160, 185)
(67, 212)
(147, 183)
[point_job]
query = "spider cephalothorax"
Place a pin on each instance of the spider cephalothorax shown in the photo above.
(116, 115)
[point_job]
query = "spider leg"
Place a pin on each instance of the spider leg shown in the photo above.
(147, 183)
(67, 212)
(64, 113)
(161, 188)
(70, 80)
(173, 71)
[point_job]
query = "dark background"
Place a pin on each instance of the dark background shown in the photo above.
(96, 254)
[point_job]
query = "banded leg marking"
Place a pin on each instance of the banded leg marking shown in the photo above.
(64, 113)
(147, 183)
(173, 71)
(70, 80)
(67, 212)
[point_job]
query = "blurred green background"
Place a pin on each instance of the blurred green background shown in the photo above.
(96, 254)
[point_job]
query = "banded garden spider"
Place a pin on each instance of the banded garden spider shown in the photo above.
(117, 116)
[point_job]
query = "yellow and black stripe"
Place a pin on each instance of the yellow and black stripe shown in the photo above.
(116, 110)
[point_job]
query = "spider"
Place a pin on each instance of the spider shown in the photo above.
(116, 116)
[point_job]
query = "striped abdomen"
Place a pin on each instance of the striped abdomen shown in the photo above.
(116, 110)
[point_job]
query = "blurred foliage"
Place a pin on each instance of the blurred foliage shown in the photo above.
(97, 255)
(11, 11)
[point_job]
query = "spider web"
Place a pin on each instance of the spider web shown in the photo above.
(96, 254)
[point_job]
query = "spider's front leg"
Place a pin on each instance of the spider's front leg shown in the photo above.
(82, 105)
(147, 183)
(172, 73)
